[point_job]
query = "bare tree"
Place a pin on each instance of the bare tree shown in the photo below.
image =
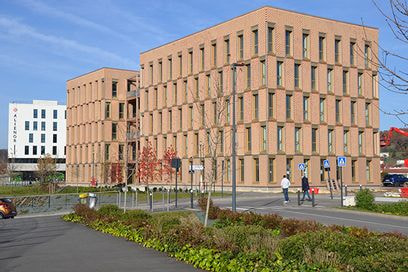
(391, 78)
(46, 169)
(216, 122)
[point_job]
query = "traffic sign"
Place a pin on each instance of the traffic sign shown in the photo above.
(196, 167)
(326, 164)
(341, 161)
(301, 166)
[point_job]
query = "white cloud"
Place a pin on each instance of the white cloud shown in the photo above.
(72, 18)
(17, 29)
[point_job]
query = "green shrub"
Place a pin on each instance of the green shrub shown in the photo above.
(110, 210)
(398, 208)
(365, 199)
(85, 212)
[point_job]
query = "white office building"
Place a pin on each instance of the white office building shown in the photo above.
(34, 131)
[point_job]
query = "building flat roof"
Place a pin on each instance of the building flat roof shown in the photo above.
(270, 7)
(93, 71)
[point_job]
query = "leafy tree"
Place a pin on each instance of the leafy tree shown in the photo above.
(167, 170)
(149, 166)
(46, 168)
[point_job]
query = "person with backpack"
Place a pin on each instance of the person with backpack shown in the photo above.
(305, 188)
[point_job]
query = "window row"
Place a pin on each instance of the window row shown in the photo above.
(43, 126)
(43, 114)
(42, 136)
(39, 150)
(181, 61)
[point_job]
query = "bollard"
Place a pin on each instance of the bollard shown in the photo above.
(361, 187)
(298, 196)
(345, 190)
(136, 197)
(119, 196)
(149, 196)
(164, 203)
(331, 190)
(152, 196)
(168, 199)
(313, 198)
(49, 201)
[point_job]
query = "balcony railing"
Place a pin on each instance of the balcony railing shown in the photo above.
(134, 135)
(134, 93)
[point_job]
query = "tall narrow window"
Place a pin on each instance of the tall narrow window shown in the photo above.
(264, 137)
(214, 54)
(345, 82)
(241, 108)
(227, 51)
(170, 61)
(43, 114)
(221, 82)
(160, 71)
(360, 84)
(330, 140)
(255, 41)
(322, 46)
(30, 138)
(305, 45)
(271, 170)
(170, 120)
(366, 55)
(375, 143)
(288, 42)
(338, 107)
(314, 78)
(115, 88)
(270, 104)
(279, 73)
(180, 57)
(190, 61)
(297, 139)
(242, 168)
(270, 39)
(374, 86)
(107, 109)
(175, 93)
(185, 91)
(208, 85)
(114, 131)
(202, 57)
(241, 46)
(35, 125)
(27, 125)
(150, 75)
(190, 111)
(256, 165)
(352, 46)
(256, 106)
(314, 139)
(121, 110)
(248, 79)
(55, 114)
(297, 75)
(249, 139)
(368, 170)
(305, 108)
(345, 141)
(181, 118)
(26, 150)
(322, 109)
(337, 50)
(35, 113)
(353, 170)
(263, 72)
(202, 114)
(196, 88)
(360, 142)
(353, 112)
(367, 114)
(288, 106)
(329, 80)
(228, 110)
(280, 138)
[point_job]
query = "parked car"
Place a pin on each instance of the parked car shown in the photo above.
(7, 208)
(394, 180)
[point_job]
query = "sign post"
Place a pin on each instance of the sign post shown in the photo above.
(191, 187)
(176, 163)
(326, 165)
(341, 162)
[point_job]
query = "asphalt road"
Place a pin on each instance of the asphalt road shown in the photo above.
(49, 244)
(325, 212)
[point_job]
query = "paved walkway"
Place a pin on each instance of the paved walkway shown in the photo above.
(49, 244)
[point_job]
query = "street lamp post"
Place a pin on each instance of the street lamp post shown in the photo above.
(234, 129)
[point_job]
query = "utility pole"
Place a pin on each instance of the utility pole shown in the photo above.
(234, 130)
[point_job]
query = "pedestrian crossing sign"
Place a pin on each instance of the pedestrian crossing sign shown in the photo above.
(301, 166)
(326, 164)
(341, 161)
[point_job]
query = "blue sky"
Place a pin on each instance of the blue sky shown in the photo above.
(44, 43)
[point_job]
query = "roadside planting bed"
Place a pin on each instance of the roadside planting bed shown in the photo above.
(249, 241)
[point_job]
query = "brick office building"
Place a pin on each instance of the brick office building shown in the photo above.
(308, 92)
(97, 116)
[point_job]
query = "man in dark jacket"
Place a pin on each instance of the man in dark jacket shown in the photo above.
(305, 188)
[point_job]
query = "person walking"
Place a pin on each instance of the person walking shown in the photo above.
(305, 188)
(285, 183)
